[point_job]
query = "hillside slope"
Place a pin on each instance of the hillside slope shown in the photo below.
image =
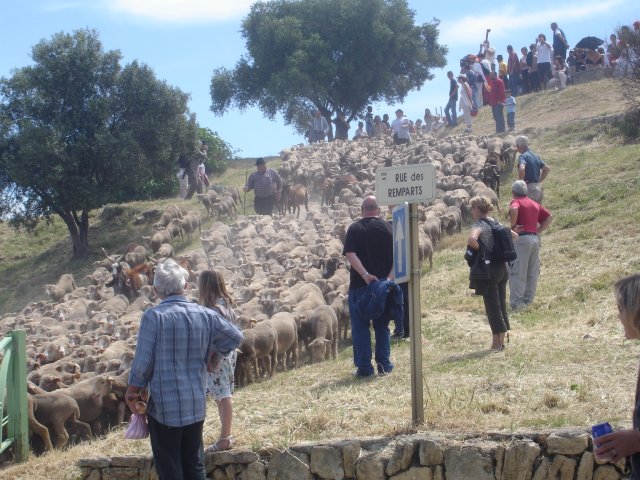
(566, 364)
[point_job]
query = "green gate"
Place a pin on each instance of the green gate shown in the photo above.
(13, 395)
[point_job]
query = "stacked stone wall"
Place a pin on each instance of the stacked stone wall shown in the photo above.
(557, 455)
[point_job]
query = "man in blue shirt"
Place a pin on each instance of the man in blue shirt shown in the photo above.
(531, 169)
(175, 340)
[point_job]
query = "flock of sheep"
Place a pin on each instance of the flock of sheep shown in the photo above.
(287, 275)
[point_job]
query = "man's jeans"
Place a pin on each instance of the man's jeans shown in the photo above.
(524, 271)
(450, 112)
(361, 337)
(178, 452)
(514, 84)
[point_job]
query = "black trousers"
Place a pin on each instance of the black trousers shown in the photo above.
(264, 205)
(495, 298)
(178, 452)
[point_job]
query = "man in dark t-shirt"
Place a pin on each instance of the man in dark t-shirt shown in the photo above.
(450, 109)
(369, 249)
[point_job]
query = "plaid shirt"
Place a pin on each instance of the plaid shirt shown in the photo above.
(264, 184)
(174, 342)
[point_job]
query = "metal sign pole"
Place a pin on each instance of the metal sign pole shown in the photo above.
(415, 316)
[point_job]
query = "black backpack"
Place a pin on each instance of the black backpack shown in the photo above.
(503, 249)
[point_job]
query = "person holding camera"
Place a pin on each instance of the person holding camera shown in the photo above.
(626, 443)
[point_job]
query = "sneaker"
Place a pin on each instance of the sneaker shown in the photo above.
(384, 374)
(397, 335)
(357, 374)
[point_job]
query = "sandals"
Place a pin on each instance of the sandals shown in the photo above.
(223, 443)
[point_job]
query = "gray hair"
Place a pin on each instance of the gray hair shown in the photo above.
(519, 187)
(522, 141)
(169, 278)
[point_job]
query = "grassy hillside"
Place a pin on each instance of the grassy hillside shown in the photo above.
(567, 363)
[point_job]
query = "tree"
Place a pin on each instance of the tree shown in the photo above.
(330, 55)
(77, 131)
(219, 152)
(628, 69)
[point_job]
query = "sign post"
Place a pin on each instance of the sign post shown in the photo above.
(394, 186)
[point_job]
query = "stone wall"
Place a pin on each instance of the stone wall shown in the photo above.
(558, 455)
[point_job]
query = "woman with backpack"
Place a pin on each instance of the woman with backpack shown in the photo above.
(488, 278)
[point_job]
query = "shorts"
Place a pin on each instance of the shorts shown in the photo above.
(220, 382)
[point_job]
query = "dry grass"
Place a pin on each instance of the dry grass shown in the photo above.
(567, 363)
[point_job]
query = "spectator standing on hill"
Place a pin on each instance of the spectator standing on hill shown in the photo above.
(319, 128)
(531, 169)
(560, 44)
(267, 186)
(428, 121)
(466, 102)
(626, 443)
(502, 69)
(514, 70)
(534, 75)
(401, 128)
(379, 128)
(368, 121)
(524, 71)
(494, 288)
(450, 109)
(175, 341)
(342, 127)
(385, 120)
(368, 247)
(480, 82)
(545, 54)
(528, 219)
(510, 106)
(496, 100)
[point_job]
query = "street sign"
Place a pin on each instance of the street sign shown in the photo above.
(401, 237)
(405, 183)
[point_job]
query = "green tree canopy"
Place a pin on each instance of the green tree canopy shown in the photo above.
(331, 55)
(219, 152)
(77, 131)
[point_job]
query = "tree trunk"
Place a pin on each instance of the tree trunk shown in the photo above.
(78, 231)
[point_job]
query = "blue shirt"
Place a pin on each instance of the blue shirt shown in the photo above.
(510, 104)
(174, 342)
(533, 166)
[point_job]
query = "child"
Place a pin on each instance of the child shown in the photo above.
(212, 293)
(360, 132)
(511, 110)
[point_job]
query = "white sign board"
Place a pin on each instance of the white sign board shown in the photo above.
(405, 183)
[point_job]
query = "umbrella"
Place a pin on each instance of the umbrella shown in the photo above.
(589, 42)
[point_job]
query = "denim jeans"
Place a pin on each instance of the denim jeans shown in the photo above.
(511, 119)
(178, 452)
(514, 84)
(361, 336)
(450, 112)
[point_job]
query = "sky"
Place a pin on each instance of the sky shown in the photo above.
(184, 41)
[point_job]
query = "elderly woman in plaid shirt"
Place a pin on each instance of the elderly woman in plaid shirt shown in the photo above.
(175, 341)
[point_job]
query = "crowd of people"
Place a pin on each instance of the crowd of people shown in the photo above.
(491, 79)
